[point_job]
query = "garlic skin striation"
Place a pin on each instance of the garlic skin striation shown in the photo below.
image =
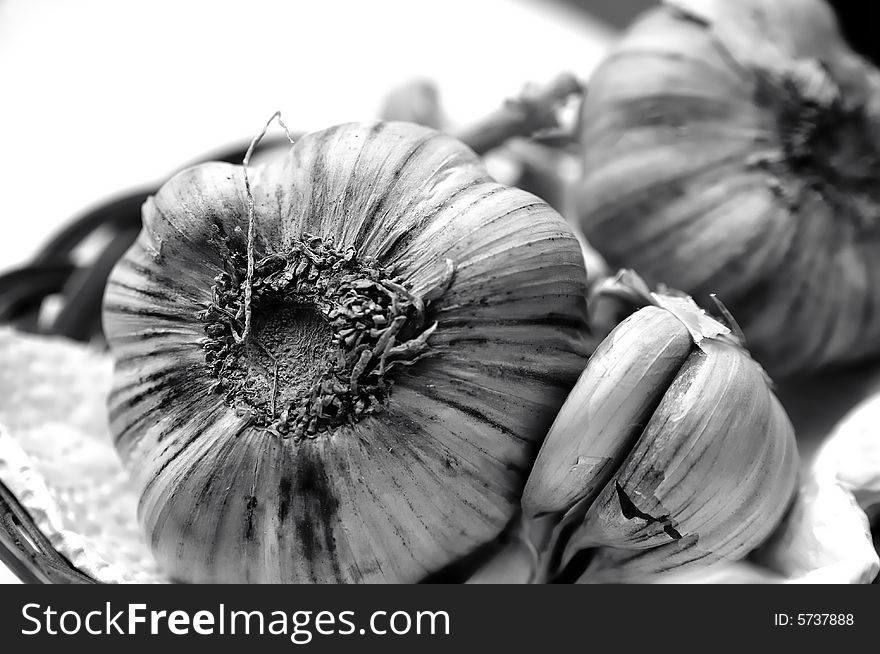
(733, 148)
(415, 327)
(671, 451)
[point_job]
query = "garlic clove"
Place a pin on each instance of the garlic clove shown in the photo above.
(686, 457)
(613, 399)
(710, 477)
(825, 538)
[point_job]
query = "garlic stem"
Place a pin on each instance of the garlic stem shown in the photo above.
(531, 112)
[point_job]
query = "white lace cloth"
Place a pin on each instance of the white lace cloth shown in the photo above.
(56, 456)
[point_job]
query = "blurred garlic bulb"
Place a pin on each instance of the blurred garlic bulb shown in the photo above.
(671, 451)
(734, 148)
(415, 327)
(415, 101)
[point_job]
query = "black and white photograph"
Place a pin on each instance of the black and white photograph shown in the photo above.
(568, 293)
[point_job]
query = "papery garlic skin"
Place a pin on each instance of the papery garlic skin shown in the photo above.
(851, 454)
(825, 539)
(667, 454)
(732, 148)
(392, 495)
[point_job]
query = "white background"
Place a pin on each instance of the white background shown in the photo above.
(98, 96)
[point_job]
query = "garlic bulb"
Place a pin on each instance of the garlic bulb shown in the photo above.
(414, 328)
(671, 451)
(415, 101)
(733, 148)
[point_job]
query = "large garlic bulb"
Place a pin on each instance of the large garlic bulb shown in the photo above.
(733, 147)
(670, 453)
(414, 328)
